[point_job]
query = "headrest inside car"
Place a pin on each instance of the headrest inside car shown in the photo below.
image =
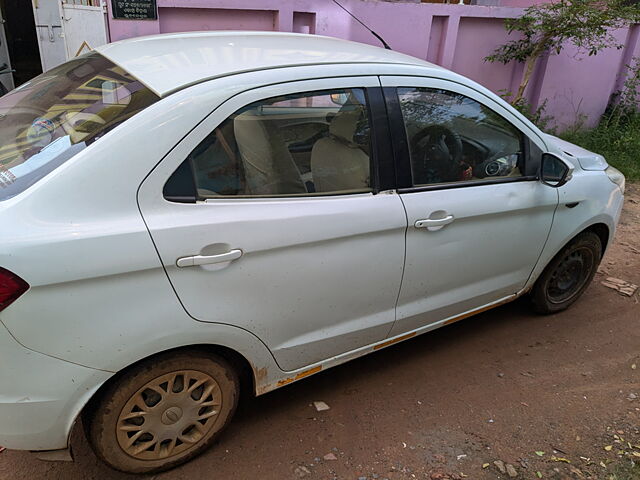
(345, 123)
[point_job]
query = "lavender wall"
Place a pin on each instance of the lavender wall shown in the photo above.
(455, 36)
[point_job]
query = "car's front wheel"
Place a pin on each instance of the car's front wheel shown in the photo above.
(163, 412)
(568, 275)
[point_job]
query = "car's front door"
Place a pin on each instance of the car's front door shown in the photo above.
(267, 216)
(478, 218)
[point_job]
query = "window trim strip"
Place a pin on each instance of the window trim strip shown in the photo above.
(382, 158)
(399, 142)
(463, 184)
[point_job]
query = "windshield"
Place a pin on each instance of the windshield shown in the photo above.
(46, 121)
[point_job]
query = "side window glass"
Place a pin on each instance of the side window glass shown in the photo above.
(453, 138)
(304, 144)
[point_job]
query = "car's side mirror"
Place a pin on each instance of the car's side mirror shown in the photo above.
(554, 171)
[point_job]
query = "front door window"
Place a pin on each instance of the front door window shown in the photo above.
(453, 138)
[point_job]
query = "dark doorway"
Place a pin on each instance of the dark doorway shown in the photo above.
(22, 41)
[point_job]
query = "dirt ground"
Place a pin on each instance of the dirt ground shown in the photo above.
(505, 386)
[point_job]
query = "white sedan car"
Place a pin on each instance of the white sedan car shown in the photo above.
(184, 215)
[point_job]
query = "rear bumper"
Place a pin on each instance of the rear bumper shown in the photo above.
(40, 396)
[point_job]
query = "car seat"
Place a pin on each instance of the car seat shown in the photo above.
(338, 163)
(268, 166)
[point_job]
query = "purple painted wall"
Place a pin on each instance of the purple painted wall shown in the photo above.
(194, 19)
(457, 37)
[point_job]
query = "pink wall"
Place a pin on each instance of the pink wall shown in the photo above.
(455, 36)
(578, 87)
(469, 50)
(195, 19)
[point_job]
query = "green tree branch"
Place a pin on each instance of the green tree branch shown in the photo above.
(547, 28)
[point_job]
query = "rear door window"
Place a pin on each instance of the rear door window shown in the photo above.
(313, 143)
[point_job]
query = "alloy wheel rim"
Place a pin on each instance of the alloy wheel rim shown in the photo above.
(169, 415)
(570, 275)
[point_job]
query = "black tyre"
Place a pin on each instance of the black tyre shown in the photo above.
(568, 275)
(163, 412)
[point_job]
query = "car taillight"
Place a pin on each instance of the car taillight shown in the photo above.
(11, 287)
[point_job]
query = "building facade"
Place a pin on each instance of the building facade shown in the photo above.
(457, 36)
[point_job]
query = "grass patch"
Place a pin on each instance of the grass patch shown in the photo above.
(618, 139)
(625, 471)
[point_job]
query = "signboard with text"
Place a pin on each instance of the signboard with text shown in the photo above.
(134, 9)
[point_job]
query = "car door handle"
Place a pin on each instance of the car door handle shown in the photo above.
(434, 222)
(208, 259)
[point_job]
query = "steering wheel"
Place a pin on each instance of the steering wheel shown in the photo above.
(437, 155)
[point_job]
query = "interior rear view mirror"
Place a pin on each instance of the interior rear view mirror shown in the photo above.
(554, 171)
(339, 98)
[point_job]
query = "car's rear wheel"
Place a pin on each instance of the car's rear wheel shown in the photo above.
(568, 275)
(163, 412)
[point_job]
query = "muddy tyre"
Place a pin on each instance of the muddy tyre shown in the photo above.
(568, 275)
(162, 413)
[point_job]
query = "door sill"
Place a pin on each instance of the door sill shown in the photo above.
(309, 370)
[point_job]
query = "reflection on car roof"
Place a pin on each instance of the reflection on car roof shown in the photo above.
(166, 63)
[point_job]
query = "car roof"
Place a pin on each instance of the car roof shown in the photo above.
(169, 62)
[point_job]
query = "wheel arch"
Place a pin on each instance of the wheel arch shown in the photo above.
(601, 230)
(243, 368)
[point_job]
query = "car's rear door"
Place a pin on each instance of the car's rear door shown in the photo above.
(272, 215)
(478, 217)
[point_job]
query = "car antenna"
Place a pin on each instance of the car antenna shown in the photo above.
(386, 45)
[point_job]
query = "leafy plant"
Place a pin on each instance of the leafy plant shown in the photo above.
(548, 27)
(617, 138)
(537, 115)
(625, 103)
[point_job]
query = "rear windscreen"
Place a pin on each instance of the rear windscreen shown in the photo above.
(46, 121)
